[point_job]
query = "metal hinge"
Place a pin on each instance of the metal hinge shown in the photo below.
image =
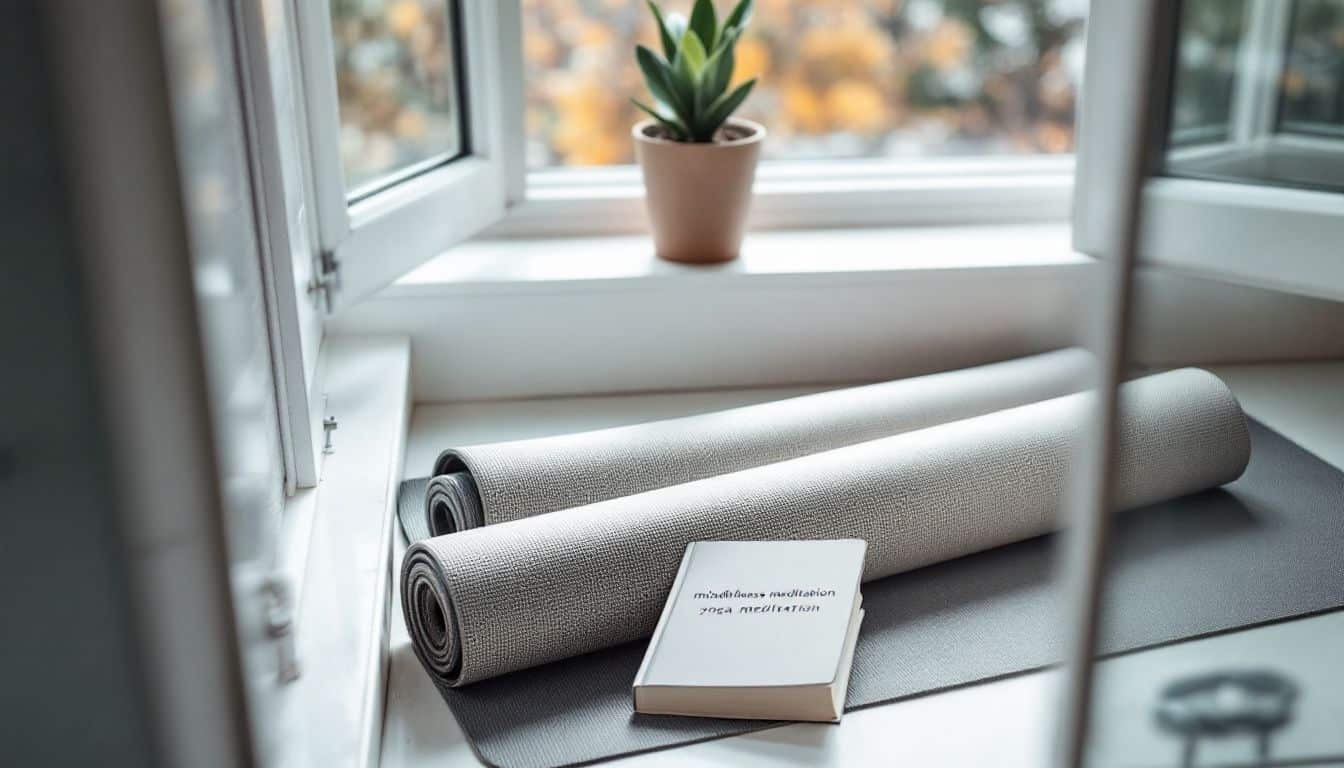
(329, 425)
(326, 283)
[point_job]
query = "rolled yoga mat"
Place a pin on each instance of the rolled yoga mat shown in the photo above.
(1262, 549)
(506, 597)
(499, 482)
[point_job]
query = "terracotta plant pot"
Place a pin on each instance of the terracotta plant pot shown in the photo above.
(698, 194)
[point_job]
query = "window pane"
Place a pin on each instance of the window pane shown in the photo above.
(1313, 79)
(396, 76)
(838, 78)
(1206, 66)
(1259, 97)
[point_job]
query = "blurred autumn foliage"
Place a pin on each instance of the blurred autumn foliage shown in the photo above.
(396, 85)
(837, 78)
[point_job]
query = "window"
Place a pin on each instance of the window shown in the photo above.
(406, 132)
(836, 78)
(1313, 79)
(1258, 93)
(396, 76)
(429, 120)
(1246, 181)
(1206, 66)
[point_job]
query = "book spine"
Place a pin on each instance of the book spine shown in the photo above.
(672, 596)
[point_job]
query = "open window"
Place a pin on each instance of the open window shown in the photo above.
(429, 120)
(407, 124)
(1246, 179)
(377, 138)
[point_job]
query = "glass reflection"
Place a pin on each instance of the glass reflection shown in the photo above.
(836, 78)
(1258, 93)
(397, 84)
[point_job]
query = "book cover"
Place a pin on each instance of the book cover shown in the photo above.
(756, 629)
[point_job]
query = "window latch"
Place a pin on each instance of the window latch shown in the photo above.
(326, 283)
(329, 425)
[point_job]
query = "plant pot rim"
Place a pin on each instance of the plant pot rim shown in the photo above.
(757, 135)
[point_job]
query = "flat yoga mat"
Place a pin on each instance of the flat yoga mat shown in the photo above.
(1264, 548)
(486, 484)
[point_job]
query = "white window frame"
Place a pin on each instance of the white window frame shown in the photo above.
(320, 251)
(372, 241)
(815, 194)
(1228, 231)
(279, 154)
(381, 237)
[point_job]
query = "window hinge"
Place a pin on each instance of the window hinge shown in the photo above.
(280, 627)
(326, 283)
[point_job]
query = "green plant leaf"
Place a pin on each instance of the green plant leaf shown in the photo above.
(721, 110)
(685, 80)
(658, 77)
(719, 69)
(682, 82)
(692, 50)
(705, 23)
(740, 15)
(669, 124)
(669, 42)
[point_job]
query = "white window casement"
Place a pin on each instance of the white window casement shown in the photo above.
(328, 243)
(372, 233)
(1250, 193)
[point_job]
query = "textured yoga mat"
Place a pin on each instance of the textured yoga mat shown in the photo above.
(486, 484)
(491, 600)
(1263, 549)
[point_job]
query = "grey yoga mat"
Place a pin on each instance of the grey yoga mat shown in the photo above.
(1263, 549)
(491, 600)
(498, 482)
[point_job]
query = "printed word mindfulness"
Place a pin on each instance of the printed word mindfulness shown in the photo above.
(737, 594)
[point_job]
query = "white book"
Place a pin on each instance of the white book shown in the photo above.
(756, 629)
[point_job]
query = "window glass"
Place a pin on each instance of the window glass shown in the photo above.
(1206, 68)
(837, 78)
(1313, 78)
(396, 76)
(1258, 93)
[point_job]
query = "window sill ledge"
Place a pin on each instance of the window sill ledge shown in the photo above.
(587, 263)
(337, 548)
(551, 317)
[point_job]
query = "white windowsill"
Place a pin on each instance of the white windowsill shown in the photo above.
(584, 263)
(540, 317)
(337, 543)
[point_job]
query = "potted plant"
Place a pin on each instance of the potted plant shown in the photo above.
(698, 161)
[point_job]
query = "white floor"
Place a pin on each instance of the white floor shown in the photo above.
(1004, 723)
